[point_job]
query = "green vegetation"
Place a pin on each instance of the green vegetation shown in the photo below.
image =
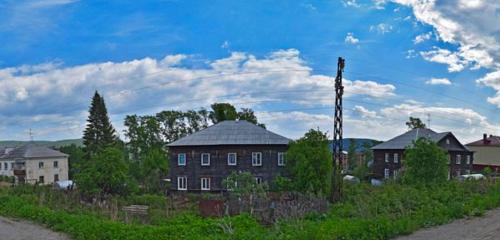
(309, 163)
(365, 213)
(105, 173)
(425, 163)
(99, 133)
(225, 111)
(414, 123)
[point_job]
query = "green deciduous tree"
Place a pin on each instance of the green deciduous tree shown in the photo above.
(222, 112)
(248, 114)
(425, 163)
(105, 173)
(309, 163)
(99, 132)
(245, 187)
(351, 153)
(414, 123)
(75, 159)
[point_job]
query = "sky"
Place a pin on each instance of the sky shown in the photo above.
(436, 60)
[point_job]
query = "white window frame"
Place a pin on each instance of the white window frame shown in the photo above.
(201, 159)
(258, 180)
(41, 165)
(387, 157)
(458, 159)
(229, 163)
(179, 159)
(256, 161)
(448, 141)
(396, 157)
(468, 159)
(395, 173)
(180, 182)
(386, 173)
(281, 159)
(205, 184)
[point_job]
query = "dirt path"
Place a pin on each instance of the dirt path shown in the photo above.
(23, 230)
(481, 228)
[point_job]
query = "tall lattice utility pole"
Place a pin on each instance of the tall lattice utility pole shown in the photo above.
(336, 193)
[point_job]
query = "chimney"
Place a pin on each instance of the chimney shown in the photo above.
(485, 139)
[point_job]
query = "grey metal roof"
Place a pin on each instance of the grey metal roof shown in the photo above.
(232, 133)
(406, 139)
(32, 151)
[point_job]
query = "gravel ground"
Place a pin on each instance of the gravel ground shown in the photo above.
(481, 228)
(23, 230)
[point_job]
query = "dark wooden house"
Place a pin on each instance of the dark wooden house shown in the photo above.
(389, 155)
(202, 160)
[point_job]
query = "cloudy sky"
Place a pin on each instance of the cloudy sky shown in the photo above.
(404, 58)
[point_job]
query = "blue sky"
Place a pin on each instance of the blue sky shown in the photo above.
(403, 58)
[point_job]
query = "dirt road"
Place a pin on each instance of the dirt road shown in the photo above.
(22, 230)
(481, 228)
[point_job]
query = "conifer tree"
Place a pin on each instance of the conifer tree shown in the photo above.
(99, 132)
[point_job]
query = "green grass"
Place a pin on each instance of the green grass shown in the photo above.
(365, 213)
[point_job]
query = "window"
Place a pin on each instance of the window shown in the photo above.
(457, 173)
(0, 166)
(6, 166)
(56, 164)
(256, 159)
(181, 159)
(41, 179)
(387, 157)
(205, 184)
(40, 165)
(468, 159)
(258, 180)
(56, 177)
(448, 141)
(12, 165)
(395, 174)
(182, 183)
(205, 159)
(281, 159)
(396, 158)
(458, 159)
(231, 159)
(386, 173)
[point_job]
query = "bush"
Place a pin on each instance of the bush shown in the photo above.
(365, 213)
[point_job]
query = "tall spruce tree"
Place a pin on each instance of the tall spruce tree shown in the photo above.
(99, 133)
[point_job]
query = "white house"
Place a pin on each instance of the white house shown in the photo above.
(36, 164)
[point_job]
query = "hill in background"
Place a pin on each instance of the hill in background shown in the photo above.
(56, 144)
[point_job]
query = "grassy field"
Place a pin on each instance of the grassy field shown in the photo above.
(365, 213)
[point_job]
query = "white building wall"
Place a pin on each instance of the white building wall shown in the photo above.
(6, 167)
(48, 171)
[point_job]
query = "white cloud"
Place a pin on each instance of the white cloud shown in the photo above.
(351, 3)
(225, 45)
(454, 61)
(465, 123)
(468, 24)
(364, 113)
(145, 85)
(438, 81)
(492, 79)
(309, 6)
(381, 28)
(350, 39)
(422, 37)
